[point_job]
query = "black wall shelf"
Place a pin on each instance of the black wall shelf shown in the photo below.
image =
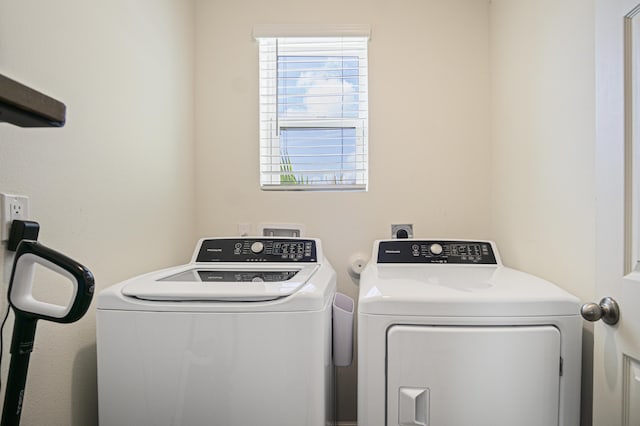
(26, 107)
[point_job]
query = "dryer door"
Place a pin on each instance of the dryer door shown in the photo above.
(481, 376)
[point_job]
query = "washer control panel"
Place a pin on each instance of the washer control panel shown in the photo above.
(432, 251)
(257, 250)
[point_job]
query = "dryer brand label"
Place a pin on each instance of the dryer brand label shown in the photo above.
(433, 251)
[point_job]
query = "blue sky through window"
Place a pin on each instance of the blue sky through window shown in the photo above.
(319, 155)
(313, 89)
(317, 87)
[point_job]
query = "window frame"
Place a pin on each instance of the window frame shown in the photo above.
(271, 123)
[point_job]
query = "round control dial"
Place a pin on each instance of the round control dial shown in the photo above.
(257, 247)
(435, 249)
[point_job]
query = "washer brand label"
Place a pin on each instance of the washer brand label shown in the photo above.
(257, 250)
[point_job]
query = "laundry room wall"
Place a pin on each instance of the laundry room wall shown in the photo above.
(543, 135)
(114, 187)
(430, 145)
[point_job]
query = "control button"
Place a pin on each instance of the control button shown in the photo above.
(435, 249)
(257, 280)
(257, 247)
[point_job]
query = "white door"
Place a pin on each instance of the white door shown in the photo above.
(616, 395)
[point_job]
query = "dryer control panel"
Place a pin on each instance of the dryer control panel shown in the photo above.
(257, 250)
(436, 251)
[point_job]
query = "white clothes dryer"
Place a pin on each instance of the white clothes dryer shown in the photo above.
(448, 336)
(239, 336)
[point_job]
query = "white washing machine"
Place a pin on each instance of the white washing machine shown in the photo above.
(448, 336)
(239, 336)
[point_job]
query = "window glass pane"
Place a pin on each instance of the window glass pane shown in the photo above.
(319, 156)
(318, 87)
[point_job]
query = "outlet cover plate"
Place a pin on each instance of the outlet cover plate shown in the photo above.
(13, 207)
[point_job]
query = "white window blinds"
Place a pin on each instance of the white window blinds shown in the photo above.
(313, 113)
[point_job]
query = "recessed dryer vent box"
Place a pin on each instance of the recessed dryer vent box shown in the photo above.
(281, 229)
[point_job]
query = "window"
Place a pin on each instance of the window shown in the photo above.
(313, 113)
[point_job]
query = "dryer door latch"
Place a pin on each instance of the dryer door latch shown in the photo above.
(413, 406)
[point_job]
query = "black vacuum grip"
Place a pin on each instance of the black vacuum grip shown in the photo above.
(30, 253)
(29, 310)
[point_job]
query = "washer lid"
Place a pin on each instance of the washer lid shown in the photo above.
(447, 290)
(222, 282)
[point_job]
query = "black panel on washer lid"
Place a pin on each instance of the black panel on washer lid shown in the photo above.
(257, 250)
(436, 251)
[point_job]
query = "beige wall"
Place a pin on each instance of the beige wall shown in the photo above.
(429, 128)
(114, 187)
(543, 124)
(543, 136)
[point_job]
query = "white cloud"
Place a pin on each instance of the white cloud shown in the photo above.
(323, 96)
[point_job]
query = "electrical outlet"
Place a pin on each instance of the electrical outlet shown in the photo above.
(404, 230)
(14, 207)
